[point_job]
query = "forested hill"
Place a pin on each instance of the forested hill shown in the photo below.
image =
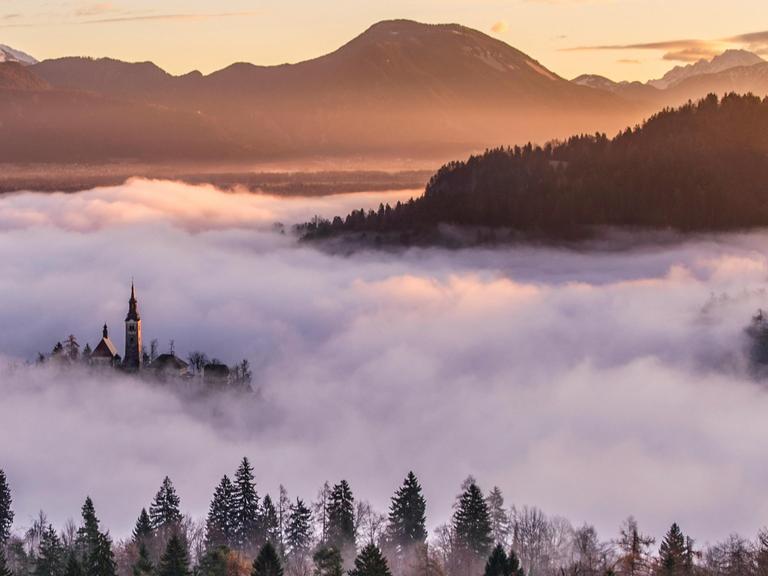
(698, 167)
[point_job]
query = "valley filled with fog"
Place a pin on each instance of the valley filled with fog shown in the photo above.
(594, 382)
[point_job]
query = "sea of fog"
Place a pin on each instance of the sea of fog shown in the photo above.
(593, 383)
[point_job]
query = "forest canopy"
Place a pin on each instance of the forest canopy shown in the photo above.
(703, 166)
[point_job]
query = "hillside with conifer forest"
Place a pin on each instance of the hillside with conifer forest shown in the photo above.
(702, 166)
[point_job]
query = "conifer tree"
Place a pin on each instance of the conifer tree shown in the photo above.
(267, 563)
(498, 563)
(328, 562)
(214, 562)
(283, 511)
(246, 502)
(143, 565)
(143, 529)
(6, 510)
(95, 547)
(341, 517)
(220, 524)
(4, 570)
(472, 523)
(515, 567)
(675, 554)
(370, 562)
(73, 567)
(270, 523)
(407, 514)
(298, 537)
(164, 511)
(499, 516)
(50, 555)
(175, 559)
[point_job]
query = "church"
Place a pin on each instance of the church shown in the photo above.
(135, 359)
(105, 353)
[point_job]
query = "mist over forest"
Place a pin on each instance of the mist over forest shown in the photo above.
(600, 382)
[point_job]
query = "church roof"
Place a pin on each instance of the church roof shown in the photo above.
(105, 349)
(169, 362)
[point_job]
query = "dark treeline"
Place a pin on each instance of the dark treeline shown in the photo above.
(703, 166)
(245, 534)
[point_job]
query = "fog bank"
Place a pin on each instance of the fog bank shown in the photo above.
(594, 383)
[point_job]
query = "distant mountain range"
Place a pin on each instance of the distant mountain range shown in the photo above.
(732, 71)
(400, 89)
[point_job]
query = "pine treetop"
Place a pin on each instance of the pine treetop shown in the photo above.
(341, 516)
(471, 521)
(267, 563)
(370, 562)
(143, 528)
(246, 501)
(164, 510)
(298, 532)
(175, 559)
(221, 522)
(407, 513)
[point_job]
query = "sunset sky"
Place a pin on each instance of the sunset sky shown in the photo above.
(183, 35)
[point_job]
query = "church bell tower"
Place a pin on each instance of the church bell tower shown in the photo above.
(132, 360)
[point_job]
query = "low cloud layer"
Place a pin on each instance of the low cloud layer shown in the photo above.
(594, 383)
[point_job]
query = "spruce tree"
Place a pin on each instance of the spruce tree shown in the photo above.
(498, 563)
(341, 517)
(246, 502)
(270, 523)
(143, 529)
(220, 524)
(675, 553)
(407, 514)
(143, 565)
(95, 547)
(370, 562)
(175, 559)
(4, 570)
(298, 537)
(50, 554)
(328, 562)
(73, 568)
(6, 511)
(515, 567)
(164, 511)
(472, 523)
(267, 563)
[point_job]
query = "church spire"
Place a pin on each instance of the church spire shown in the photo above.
(133, 308)
(105, 332)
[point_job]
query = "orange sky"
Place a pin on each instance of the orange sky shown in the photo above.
(182, 35)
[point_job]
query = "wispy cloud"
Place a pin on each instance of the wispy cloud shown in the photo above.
(171, 17)
(689, 49)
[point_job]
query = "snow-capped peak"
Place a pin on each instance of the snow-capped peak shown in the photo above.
(8, 54)
(726, 60)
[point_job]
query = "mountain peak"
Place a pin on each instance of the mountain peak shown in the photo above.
(728, 59)
(8, 54)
